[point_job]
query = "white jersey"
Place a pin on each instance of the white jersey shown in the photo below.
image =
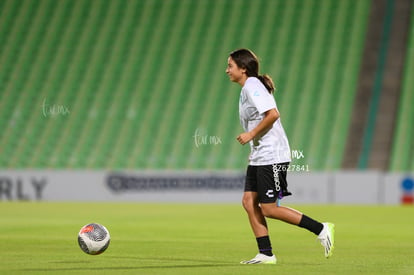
(273, 146)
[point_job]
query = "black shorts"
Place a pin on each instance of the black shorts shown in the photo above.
(269, 181)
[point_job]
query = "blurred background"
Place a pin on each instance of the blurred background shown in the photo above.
(140, 86)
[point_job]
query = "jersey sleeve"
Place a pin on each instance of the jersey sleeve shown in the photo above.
(261, 99)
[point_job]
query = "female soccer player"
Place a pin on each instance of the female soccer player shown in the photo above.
(269, 159)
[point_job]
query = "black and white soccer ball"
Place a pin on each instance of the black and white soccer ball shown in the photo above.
(93, 238)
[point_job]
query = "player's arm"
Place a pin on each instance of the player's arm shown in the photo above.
(270, 117)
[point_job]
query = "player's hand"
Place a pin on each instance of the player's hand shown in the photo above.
(244, 138)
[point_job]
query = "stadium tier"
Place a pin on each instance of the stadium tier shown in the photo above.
(142, 84)
(403, 144)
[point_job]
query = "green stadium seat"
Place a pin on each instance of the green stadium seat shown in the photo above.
(140, 77)
(402, 153)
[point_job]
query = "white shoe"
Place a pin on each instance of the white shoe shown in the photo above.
(261, 259)
(327, 238)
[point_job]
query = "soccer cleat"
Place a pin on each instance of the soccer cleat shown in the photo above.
(261, 259)
(327, 238)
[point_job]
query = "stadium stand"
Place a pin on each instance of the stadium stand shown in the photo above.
(403, 144)
(142, 84)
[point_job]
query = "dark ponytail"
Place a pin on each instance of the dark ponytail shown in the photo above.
(246, 59)
(267, 82)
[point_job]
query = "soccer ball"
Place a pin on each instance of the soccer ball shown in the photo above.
(93, 238)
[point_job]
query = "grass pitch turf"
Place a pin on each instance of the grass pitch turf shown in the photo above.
(41, 238)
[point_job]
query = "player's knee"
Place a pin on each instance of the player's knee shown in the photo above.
(267, 210)
(248, 204)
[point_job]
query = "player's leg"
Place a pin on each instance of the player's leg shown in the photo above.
(257, 220)
(324, 231)
(251, 204)
(292, 216)
(286, 214)
(271, 184)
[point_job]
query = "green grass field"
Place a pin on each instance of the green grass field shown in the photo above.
(41, 238)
